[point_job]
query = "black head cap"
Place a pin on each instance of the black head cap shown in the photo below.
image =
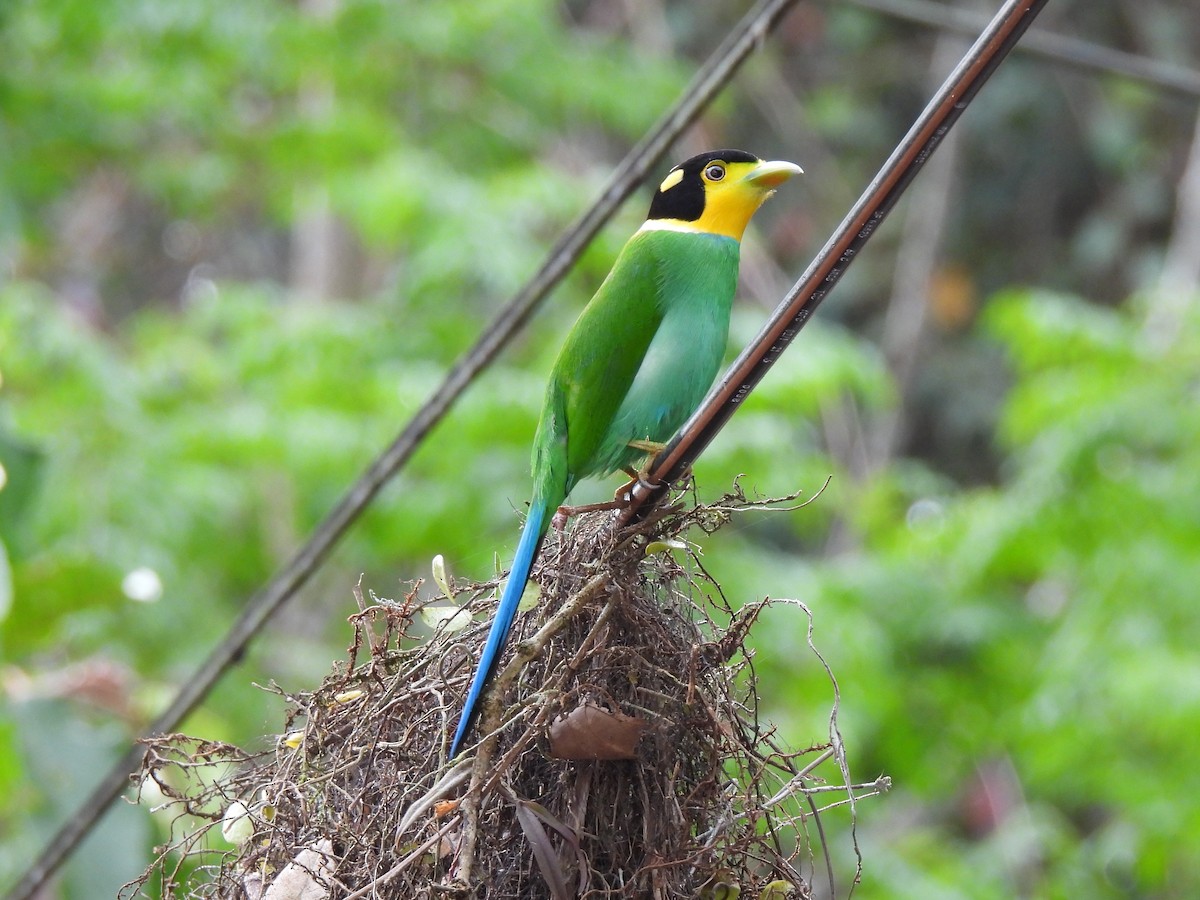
(684, 199)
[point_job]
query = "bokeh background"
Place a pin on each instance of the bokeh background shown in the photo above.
(242, 240)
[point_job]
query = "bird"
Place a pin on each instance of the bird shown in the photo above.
(640, 357)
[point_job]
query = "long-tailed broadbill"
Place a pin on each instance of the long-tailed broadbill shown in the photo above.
(641, 356)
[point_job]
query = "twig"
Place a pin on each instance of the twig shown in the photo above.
(403, 864)
(445, 785)
(774, 504)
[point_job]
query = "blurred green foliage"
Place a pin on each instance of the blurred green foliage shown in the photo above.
(1007, 602)
(1026, 652)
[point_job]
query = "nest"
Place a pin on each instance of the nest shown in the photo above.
(619, 753)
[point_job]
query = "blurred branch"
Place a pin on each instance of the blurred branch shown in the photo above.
(1179, 282)
(716, 72)
(868, 443)
(317, 245)
(1181, 269)
(843, 246)
(907, 315)
(648, 26)
(1058, 48)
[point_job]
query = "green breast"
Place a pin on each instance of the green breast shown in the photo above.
(695, 281)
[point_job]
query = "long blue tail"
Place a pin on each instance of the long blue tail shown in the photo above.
(531, 537)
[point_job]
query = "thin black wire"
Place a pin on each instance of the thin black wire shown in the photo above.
(881, 195)
(720, 67)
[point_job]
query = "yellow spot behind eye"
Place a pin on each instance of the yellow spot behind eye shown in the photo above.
(673, 178)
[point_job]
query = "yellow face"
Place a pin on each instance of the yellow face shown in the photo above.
(733, 190)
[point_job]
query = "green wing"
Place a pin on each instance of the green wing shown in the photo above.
(596, 367)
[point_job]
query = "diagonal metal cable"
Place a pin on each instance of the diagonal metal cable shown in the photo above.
(881, 195)
(718, 69)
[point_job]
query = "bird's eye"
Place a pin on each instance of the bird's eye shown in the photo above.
(714, 172)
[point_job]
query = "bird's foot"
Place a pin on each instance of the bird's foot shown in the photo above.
(621, 496)
(639, 477)
(648, 446)
(642, 476)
